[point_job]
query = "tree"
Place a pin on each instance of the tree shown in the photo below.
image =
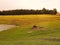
(27, 11)
(54, 11)
(43, 11)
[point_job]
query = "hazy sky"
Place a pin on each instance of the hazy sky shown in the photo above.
(29, 4)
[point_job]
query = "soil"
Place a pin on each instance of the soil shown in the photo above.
(37, 28)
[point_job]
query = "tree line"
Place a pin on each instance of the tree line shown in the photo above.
(26, 11)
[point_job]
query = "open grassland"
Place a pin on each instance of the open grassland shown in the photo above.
(24, 35)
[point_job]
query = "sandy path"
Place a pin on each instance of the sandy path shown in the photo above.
(5, 27)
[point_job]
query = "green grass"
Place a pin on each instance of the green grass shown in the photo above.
(21, 36)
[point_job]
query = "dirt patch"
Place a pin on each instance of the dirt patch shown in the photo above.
(6, 27)
(49, 39)
(57, 19)
(52, 39)
(37, 28)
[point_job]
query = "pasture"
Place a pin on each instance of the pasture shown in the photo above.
(24, 35)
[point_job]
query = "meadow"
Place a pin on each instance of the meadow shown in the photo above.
(23, 34)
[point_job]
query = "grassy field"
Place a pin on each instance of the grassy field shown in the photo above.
(50, 35)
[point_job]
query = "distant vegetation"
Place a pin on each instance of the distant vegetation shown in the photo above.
(27, 11)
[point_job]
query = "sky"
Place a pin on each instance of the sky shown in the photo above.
(29, 4)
